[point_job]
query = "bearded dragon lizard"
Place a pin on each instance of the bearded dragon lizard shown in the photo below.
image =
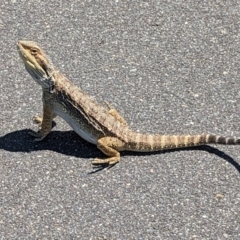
(104, 127)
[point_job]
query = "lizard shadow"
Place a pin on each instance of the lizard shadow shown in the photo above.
(65, 142)
(205, 148)
(69, 143)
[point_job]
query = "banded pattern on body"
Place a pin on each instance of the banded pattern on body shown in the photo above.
(148, 143)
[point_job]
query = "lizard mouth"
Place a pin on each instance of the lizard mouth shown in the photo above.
(21, 51)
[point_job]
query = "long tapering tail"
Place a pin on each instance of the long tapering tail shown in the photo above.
(148, 143)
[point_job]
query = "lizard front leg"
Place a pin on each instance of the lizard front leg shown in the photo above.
(110, 146)
(38, 120)
(45, 123)
(113, 112)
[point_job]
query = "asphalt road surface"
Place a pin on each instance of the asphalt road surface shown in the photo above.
(169, 67)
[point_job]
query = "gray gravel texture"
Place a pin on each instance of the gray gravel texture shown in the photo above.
(168, 67)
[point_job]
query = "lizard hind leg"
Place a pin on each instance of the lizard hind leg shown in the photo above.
(110, 146)
(113, 112)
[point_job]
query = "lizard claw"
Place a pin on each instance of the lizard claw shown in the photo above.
(108, 105)
(100, 167)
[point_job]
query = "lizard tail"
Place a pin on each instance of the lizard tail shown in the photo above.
(148, 143)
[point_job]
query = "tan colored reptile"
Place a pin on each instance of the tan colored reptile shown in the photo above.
(104, 127)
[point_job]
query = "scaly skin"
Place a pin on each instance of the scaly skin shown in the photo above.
(104, 127)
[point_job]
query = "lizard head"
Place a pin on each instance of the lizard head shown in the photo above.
(36, 62)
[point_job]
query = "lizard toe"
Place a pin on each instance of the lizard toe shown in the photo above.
(37, 120)
(38, 135)
(109, 161)
(34, 134)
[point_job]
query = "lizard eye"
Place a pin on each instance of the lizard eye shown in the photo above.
(34, 51)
